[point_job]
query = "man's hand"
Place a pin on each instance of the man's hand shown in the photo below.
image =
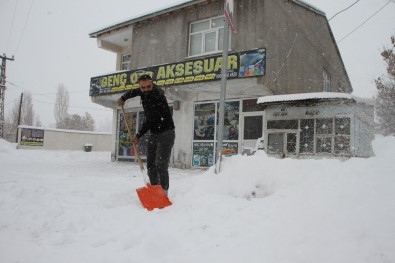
(135, 140)
(121, 102)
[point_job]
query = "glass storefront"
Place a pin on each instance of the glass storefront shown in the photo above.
(135, 119)
(125, 149)
(204, 130)
(206, 117)
(204, 121)
(309, 136)
(124, 145)
(231, 121)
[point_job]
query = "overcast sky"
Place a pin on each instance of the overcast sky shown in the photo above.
(51, 44)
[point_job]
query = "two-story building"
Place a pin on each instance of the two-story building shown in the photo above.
(279, 47)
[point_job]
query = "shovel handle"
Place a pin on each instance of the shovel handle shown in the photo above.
(136, 152)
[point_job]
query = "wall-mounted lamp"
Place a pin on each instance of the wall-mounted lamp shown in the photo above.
(176, 105)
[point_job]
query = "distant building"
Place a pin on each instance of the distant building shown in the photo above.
(280, 47)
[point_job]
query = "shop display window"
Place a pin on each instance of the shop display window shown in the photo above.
(315, 136)
(324, 126)
(203, 154)
(204, 132)
(124, 145)
(342, 145)
(204, 135)
(125, 148)
(342, 136)
(324, 145)
(306, 144)
(231, 120)
(342, 126)
(136, 120)
(204, 121)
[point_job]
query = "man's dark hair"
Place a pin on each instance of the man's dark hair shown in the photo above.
(145, 77)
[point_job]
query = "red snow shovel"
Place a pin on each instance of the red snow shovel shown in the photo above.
(151, 196)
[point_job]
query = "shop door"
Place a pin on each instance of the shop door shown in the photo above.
(275, 143)
(252, 130)
(282, 143)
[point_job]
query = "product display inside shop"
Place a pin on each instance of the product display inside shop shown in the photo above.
(205, 120)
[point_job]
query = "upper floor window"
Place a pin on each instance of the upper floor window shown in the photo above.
(206, 36)
(327, 81)
(126, 60)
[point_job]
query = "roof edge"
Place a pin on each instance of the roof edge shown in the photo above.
(310, 7)
(132, 21)
(289, 98)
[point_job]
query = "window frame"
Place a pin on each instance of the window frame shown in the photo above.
(127, 62)
(326, 77)
(204, 32)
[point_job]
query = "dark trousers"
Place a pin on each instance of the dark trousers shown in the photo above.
(158, 157)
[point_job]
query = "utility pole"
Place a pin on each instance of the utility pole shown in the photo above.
(4, 58)
(221, 111)
(228, 24)
(19, 117)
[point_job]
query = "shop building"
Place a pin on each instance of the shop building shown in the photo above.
(279, 47)
(318, 124)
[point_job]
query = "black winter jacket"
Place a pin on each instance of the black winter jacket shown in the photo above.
(156, 110)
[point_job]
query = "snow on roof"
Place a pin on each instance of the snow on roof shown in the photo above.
(144, 16)
(310, 6)
(304, 96)
(176, 6)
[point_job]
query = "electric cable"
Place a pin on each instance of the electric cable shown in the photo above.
(49, 93)
(71, 106)
(12, 25)
(343, 10)
(24, 27)
(312, 32)
(375, 13)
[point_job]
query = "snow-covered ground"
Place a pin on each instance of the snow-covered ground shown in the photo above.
(63, 206)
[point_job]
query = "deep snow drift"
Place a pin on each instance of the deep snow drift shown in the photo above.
(65, 206)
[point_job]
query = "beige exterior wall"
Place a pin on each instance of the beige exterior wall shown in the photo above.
(299, 43)
(69, 140)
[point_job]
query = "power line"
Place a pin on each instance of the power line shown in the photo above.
(49, 93)
(75, 106)
(24, 26)
(12, 25)
(52, 93)
(343, 10)
(312, 32)
(52, 103)
(375, 13)
(13, 84)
